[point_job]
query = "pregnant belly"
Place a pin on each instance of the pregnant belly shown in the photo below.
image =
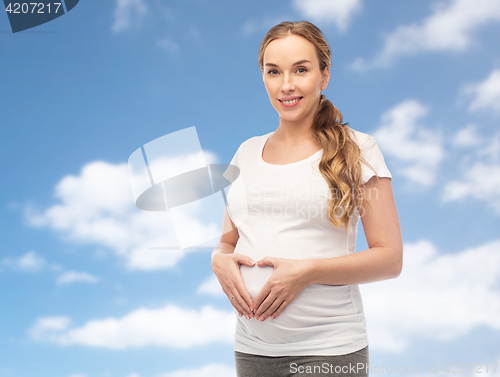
(255, 278)
(317, 311)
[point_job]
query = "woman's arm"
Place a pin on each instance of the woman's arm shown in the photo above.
(226, 267)
(383, 260)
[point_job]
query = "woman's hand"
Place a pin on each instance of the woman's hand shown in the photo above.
(227, 270)
(286, 283)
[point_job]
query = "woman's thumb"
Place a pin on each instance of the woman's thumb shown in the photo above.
(247, 261)
(267, 261)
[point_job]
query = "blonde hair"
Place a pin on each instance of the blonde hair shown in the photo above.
(340, 163)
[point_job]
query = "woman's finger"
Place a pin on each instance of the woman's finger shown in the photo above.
(263, 294)
(243, 259)
(280, 309)
(266, 304)
(232, 299)
(238, 303)
(242, 290)
(227, 270)
(239, 283)
(234, 304)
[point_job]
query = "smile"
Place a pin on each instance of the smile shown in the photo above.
(290, 103)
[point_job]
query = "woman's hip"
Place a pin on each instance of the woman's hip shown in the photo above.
(354, 364)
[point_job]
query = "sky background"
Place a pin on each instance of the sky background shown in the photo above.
(81, 293)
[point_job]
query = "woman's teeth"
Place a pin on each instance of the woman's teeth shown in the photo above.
(291, 101)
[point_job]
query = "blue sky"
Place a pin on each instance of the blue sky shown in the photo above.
(81, 293)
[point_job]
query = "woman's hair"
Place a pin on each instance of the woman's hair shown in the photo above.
(340, 163)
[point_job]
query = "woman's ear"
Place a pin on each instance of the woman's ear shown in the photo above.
(326, 78)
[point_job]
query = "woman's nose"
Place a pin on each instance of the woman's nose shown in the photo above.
(287, 84)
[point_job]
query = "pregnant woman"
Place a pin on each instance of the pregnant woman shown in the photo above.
(287, 258)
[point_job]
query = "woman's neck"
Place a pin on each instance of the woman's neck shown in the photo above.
(293, 134)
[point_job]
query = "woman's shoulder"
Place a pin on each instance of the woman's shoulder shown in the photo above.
(363, 140)
(255, 141)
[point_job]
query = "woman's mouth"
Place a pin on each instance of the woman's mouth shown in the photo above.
(290, 102)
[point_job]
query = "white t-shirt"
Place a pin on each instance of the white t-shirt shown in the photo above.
(281, 211)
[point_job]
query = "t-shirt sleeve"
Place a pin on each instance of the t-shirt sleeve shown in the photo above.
(232, 171)
(373, 155)
(236, 198)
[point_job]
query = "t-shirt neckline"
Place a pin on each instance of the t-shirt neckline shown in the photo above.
(261, 150)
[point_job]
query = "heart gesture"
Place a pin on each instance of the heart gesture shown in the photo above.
(289, 279)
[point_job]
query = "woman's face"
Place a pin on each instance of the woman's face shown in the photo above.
(293, 78)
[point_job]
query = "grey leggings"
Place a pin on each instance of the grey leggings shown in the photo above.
(350, 365)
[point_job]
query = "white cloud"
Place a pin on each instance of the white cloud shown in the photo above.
(44, 328)
(480, 181)
(29, 262)
(449, 28)
(168, 45)
(418, 150)
(126, 12)
(211, 370)
(74, 277)
(195, 35)
(491, 151)
(340, 12)
(253, 25)
(480, 176)
(212, 287)
(467, 137)
(97, 207)
(486, 94)
(437, 296)
(170, 326)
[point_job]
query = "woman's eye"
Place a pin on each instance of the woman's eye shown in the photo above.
(301, 70)
(272, 72)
